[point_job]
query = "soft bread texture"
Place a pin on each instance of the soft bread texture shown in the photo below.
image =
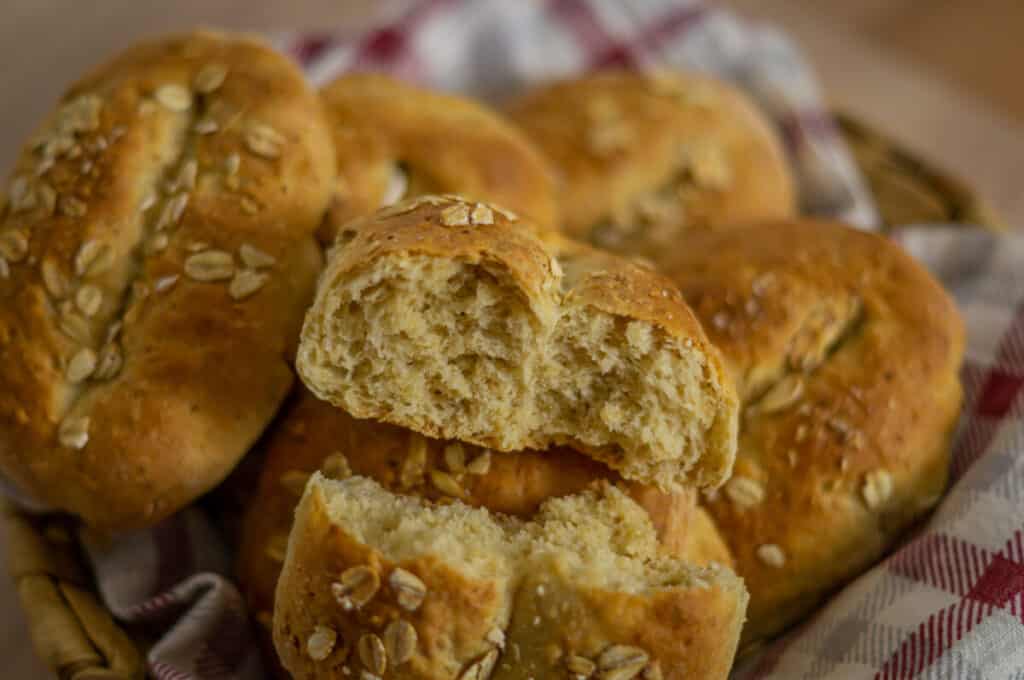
(473, 328)
(448, 591)
(313, 435)
(155, 259)
(846, 354)
(642, 158)
(393, 141)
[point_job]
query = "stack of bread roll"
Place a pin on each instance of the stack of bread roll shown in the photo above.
(581, 395)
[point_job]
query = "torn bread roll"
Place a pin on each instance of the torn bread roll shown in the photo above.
(450, 318)
(312, 435)
(156, 255)
(394, 141)
(846, 355)
(390, 586)
(643, 158)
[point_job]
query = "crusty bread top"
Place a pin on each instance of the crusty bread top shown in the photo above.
(588, 277)
(560, 322)
(846, 353)
(396, 141)
(625, 144)
(155, 256)
(785, 303)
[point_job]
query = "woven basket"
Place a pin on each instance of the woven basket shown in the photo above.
(76, 637)
(906, 189)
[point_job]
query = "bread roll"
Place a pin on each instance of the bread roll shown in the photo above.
(702, 542)
(380, 584)
(313, 435)
(155, 259)
(394, 141)
(845, 353)
(643, 158)
(449, 318)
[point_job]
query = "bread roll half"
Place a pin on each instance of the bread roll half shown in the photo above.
(449, 318)
(312, 435)
(389, 586)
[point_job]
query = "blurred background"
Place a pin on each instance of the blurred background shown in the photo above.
(942, 77)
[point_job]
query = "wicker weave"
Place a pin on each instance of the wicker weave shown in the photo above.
(906, 189)
(71, 631)
(78, 639)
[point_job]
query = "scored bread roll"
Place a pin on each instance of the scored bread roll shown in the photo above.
(380, 584)
(846, 354)
(451, 319)
(156, 255)
(394, 141)
(641, 158)
(312, 435)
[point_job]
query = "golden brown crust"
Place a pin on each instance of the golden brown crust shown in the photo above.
(624, 288)
(443, 144)
(846, 353)
(520, 603)
(310, 431)
(451, 624)
(642, 158)
(110, 314)
(550, 273)
(691, 632)
(417, 227)
(705, 544)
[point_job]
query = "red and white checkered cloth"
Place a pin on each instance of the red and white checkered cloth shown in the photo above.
(948, 604)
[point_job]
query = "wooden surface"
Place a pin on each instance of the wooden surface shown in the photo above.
(974, 44)
(940, 76)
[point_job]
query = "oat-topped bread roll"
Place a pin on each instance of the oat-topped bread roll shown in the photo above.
(452, 319)
(156, 256)
(643, 158)
(391, 586)
(394, 141)
(313, 435)
(845, 353)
